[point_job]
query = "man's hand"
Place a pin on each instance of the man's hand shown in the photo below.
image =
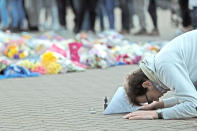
(142, 115)
(153, 106)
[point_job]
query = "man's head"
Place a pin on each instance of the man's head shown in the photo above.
(140, 89)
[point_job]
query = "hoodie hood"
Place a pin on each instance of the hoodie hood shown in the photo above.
(147, 65)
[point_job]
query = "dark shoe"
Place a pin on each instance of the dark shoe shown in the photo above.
(141, 32)
(154, 32)
(124, 32)
(33, 28)
(15, 30)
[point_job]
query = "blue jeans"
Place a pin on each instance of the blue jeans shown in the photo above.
(17, 13)
(110, 5)
(4, 13)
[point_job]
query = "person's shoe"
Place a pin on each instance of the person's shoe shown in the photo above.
(5, 29)
(23, 30)
(15, 29)
(33, 28)
(124, 32)
(141, 32)
(154, 32)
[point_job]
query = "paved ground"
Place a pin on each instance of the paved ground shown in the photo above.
(63, 102)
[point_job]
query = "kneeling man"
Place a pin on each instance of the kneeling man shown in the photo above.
(173, 68)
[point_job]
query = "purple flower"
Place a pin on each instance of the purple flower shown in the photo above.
(16, 56)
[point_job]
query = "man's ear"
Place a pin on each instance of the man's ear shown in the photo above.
(146, 84)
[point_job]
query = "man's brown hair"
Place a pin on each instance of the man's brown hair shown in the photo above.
(134, 87)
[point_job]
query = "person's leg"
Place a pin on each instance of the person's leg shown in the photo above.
(25, 12)
(33, 10)
(140, 11)
(124, 5)
(153, 13)
(132, 12)
(74, 6)
(4, 14)
(110, 5)
(100, 13)
(185, 14)
(61, 12)
(54, 12)
(92, 9)
(14, 14)
(86, 21)
(49, 4)
(194, 17)
(21, 13)
(81, 14)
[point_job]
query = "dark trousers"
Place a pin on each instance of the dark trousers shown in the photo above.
(62, 10)
(90, 7)
(193, 13)
(185, 14)
(124, 5)
(152, 9)
(62, 4)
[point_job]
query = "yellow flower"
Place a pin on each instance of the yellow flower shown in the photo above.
(53, 68)
(22, 55)
(48, 58)
(12, 52)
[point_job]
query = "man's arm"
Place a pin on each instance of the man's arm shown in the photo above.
(169, 102)
(165, 103)
(176, 76)
(153, 106)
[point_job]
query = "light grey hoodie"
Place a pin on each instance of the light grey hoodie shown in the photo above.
(175, 67)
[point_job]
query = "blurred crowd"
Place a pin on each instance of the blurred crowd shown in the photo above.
(24, 15)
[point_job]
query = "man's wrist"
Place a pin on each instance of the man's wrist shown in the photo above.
(159, 114)
(155, 114)
(159, 105)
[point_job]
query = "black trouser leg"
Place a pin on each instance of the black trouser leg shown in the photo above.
(185, 14)
(92, 9)
(152, 11)
(81, 14)
(61, 4)
(124, 5)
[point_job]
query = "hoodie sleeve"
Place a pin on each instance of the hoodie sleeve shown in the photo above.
(175, 76)
(169, 102)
